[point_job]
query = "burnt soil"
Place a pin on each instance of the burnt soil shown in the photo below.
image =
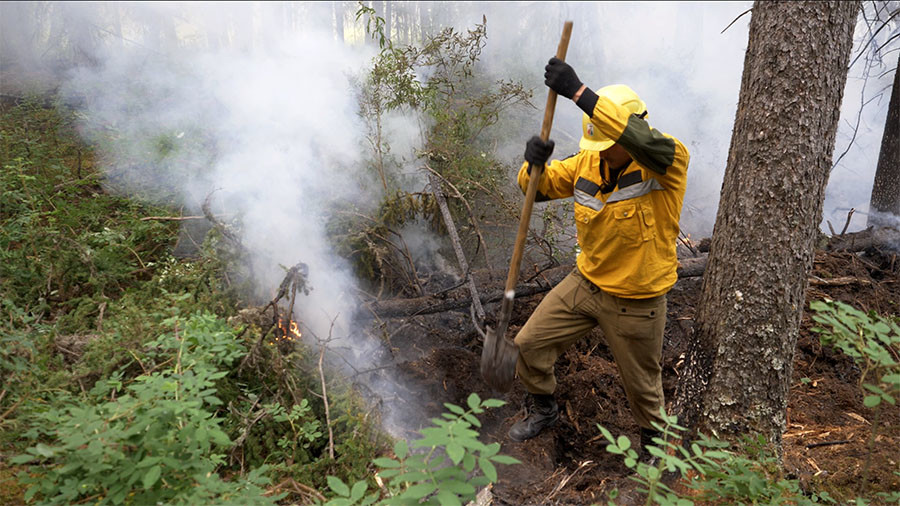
(439, 356)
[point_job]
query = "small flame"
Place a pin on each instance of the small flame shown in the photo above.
(286, 333)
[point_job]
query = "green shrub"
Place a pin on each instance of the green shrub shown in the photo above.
(710, 469)
(154, 440)
(444, 472)
(872, 341)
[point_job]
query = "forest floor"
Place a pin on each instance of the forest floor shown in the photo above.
(568, 464)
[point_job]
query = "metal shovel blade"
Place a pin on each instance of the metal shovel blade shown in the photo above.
(498, 361)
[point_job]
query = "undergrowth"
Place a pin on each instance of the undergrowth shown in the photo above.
(122, 381)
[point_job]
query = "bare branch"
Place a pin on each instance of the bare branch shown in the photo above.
(735, 20)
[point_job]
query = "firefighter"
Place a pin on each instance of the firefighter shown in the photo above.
(628, 181)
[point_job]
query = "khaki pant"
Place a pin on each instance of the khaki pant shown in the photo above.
(633, 329)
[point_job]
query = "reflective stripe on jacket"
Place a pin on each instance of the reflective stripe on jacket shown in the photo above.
(627, 225)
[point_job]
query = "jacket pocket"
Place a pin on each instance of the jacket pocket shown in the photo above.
(585, 226)
(626, 223)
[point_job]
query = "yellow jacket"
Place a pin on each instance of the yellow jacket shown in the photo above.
(627, 225)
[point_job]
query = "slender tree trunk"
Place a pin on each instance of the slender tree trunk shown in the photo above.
(884, 206)
(337, 9)
(739, 367)
(388, 14)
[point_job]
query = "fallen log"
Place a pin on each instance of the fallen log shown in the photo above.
(459, 298)
(692, 267)
(881, 238)
(687, 268)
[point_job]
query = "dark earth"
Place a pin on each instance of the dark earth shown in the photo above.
(439, 362)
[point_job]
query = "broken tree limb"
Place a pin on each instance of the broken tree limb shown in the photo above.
(438, 192)
(430, 305)
(459, 299)
(472, 220)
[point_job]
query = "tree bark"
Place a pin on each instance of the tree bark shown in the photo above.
(739, 366)
(884, 205)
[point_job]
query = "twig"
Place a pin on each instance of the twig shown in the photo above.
(322, 348)
(566, 480)
(100, 316)
(243, 437)
(222, 227)
(842, 281)
(871, 39)
(849, 215)
(10, 410)
(172, 218)
(475, 321)
(735, 20)
(684, 240)
(828, 443)
(298, 487)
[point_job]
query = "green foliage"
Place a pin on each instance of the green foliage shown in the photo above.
(451, 465)
(709, 468)
(87, 287)
(154, 440)
(438, 82)
(305, 429)
(872, 341)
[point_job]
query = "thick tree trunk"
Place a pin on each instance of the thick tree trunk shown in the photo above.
(739, 367)
(884, 206)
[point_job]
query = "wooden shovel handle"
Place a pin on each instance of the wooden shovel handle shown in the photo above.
(513, 277)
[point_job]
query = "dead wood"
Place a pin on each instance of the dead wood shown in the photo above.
(692, 267)
(472, 220)
(459, 298)
(457, 246)
(841, 281)
(172, 218)
(879, 238)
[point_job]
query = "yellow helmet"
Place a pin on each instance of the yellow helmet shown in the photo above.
(591, 138)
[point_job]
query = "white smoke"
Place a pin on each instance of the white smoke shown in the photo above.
(284, 138)
(252, 103)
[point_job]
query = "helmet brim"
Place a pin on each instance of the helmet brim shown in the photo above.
(598, 145)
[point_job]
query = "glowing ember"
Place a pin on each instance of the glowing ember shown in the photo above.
(286, 333)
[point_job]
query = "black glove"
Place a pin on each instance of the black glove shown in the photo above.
(537, 151)
(561, 78)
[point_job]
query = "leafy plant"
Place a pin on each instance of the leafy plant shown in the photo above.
(873, 342)
(305, 429)
(154, 440)
(867, 338)
(443, 472)
(709, 468)
(438, 83)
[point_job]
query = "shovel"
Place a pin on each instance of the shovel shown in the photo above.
(499, 356)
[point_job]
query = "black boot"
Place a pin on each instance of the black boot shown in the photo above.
(542, 413)
(647, 436)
